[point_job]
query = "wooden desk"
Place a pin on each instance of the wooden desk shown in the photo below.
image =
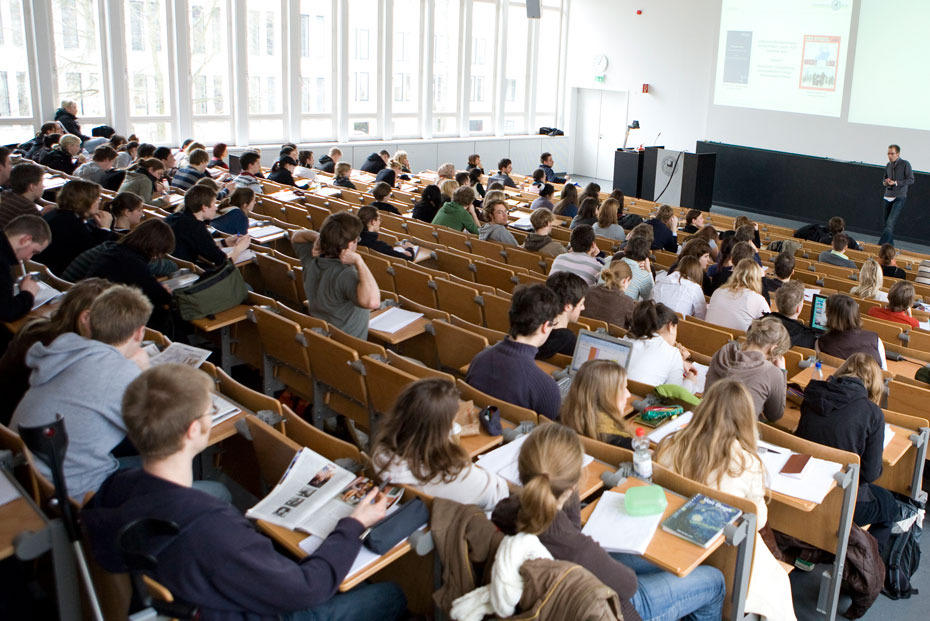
(806, 375)
(411, 330)
(43, 311)
(591, 478)
(227, 428)
(547, 367)
(903, 367)
(483, 442)
(222, 322)
(16, 517)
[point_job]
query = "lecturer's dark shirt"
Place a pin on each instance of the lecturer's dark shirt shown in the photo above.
(901, 172)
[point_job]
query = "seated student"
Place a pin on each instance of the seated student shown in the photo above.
(341, 176)
(371, 224)
(731, 253)
(192, 240)
(83, 380)
(146, 149)
(220, 151)
(504, 168)
(66, 115)
(126, 154)
(167, 416)
(429, 204)
(870, 282)
(681, 290)
(748, 233)
(446, 171)
(235, 211)
(328, 162)
(596, 402)
(101, 161)
(739, 300)
(656, 358)
(282, 171)
(824, 234)
(507, 370)
(843, 412)
(48, 128)
(568, 201)
(719, 449)
(571, 290)
(70, 316)
(548, 506)
(145, 179)
(540, 240)
(545, 197)
(288, 149)
(195, 170)
(66, 156)
(23, 237)
(185, 153)
(694, 221)
(607, 300)
(606, 225)
(27, 183)
(389, 174)
(474, 163)
(539, 178)
(697, 248)
(127, 210)
(593, 190)
(587, 213)
(251, 163)
(375, 162)
(77, 223)
(709, 235)
(381, 191)
(404, 160)
(900, 300)
(739, 223)
(414, 446)
(448, 188)
(759, 364)
(845, 335)
(341, 290)
(636, 255)
(495, 229)
(166, 157)
(784, 269)
(886, 257)
(665, 227)
(582, 260)
(835, 256)
(474, 180)
(789, 299)
(459, 213)
(545, 163)
(304, 168)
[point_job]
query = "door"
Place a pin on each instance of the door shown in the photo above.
(611, 130)
(599, 130)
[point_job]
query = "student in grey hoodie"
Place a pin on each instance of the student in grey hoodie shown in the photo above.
(84, 380)
(495, 229)
(759, 364)
(539, 240)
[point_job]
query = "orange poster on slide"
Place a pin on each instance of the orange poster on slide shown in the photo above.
(819, 63)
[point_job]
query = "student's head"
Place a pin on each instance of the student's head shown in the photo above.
(243, 198)
(165, 156)
(28, 235)
(607, 213)
(863, 367)
(343, 169)
(588, 208)
(695, 217)
(131, 147)
(381, 191)
(494, 195)
(69, 106)
(340, 230)
(402, 159)
(887, 254)
(539, 175)
(582, 238)
(769, 336)
(901, 296)
(446, 171)
(153, 239)
(742, 250)
(550, 465)
(448, 188)
(201, 200)
(699, 249)
(81, 197)
(187, 142)
(871, 280)
(250, 161)
(707, 233)
(691, 269)
(546, 159)
(569, 194)
(219, 151)
(145, 150)
(497, 185)
(335, 154)
(840, 242)
(210, 182)
(119, 315)
(597, 389)
(505, 166)
(836, 225)
(462, 178)
(571, 289)
(199, 158)
(592, 189)
(127, 206)
(417, 432)
(51, 140)
(27, 179)
(665, 214)
(168, 408)
(305, 158)
(72, 313)
(288, 150)
(104, 156)
(384, 155)
(702, 451)
(842, 313)
(463, 195)
(70, 144)
(651, 318)
(741, 221)
(617, 275)
(746, 275)
(370, 217)
(394, 165)
(432, 195)
(117, 141)
(193, 147)
(784, 265)
(532, 310)
(50, 127)
(617, 195)
(645, 231)
(789, 298)
(637, 249)
(474, 160)
(541, 220)
(547, 191)
(474, 176)
(495, 211)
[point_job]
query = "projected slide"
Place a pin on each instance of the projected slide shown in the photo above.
(891, 82)
(788, 56)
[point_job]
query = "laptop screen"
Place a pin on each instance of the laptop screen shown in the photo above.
(234, 166)
(819, 312)
(599, 346)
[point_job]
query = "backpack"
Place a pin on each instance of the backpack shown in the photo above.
(814, 232)
(212, 293)
(630, 221)
(901, 553)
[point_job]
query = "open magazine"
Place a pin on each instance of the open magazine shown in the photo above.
(314, 494)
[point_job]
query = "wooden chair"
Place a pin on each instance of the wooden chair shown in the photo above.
(273, 451)
(530, 260)
(455, 346)
(486, 249)
(509, 412)
(285, 352)
(497, 312)
(414, 284)
(454, 263)
(459, 300)
(452, 239)
(305, 434)
(280, 280)
(384, 383)
(415, 368)
(703, 338)
(495, 276)
(381, 269)
(493, 336)
(243, 395)
(332, 364)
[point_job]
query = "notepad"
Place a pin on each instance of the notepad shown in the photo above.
(503, 460)
(225, 409)
(266, 233)
(701, 520)
(616, 530)
(667, 429)
(809, 294)
(700, 379)
(46, 294)
(244, 257)
(393, 320)
(813, 486)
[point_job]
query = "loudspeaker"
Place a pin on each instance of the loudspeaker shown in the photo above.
(533, 11)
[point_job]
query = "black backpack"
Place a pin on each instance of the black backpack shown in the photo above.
(901, 553)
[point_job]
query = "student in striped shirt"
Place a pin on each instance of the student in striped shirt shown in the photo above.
(582, 260)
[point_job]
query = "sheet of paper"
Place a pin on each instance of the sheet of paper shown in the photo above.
(244, 257)
(924, 325)
(225, 409)
(677, 424)
(523, 224)
(181, 353)
(393, 319)
(265, 233)
(813, 486)
(8, 491)
(46, 294)
(809, 294)
(399, 248)
(889, 436)
(50, 182)
(284, 195)
(701, 379)
(503, 460)
(331, 192)
(616, 530)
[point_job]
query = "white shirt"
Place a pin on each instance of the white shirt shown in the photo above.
(579, 263)
(654, 362)
(736, 309)
(302, 172)
(680, 294)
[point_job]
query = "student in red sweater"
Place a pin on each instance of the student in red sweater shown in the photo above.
(900, 301)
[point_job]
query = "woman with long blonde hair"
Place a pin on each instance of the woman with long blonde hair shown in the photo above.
(719, 449)
(606, 225)
(739, 301)
(870, 282)
(548, 506)
(596, 401)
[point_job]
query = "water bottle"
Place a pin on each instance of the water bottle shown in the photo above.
(818, 370)
(642, 458)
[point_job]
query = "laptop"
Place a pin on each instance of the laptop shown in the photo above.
(234, 166)
(819, 312)
(593, 346)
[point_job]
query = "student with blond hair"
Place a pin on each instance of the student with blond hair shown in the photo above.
(870, 282)
(596, 402)
(606, 225)
(739, 300)
(607, 300)
(680, 289)
(66, 156)
(719, 449)
(548, 506)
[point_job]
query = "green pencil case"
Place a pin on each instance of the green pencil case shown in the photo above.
(644, 500)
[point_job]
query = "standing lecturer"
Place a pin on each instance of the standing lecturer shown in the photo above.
(898, 175)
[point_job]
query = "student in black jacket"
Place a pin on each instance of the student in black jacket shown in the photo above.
(192, 241)
(665, 227)
(23, 237)
(341, 176)
(429, 204)
(376, 162)
(381, 191)
(789, 299)
(886, 258)
(65, 157)
(371, 224)
(571, 289)
(282, 171)
(390, 174)
(328, 163)
(77, 224)
(67, 116)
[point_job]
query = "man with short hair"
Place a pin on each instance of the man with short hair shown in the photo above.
(901, 297)
(251, 163)
(381, 191)
(101, 161)
(898, 176)
(192, 240)
(328, 162)
(789, 299)
(6, 165)
(26, 187)
(784, 268)
(376, 162)
(218, 560)
(83, 380)
(23, 237)
(571, 290)
(508, 370)
(540, 240)
(546, 162)
(504, 168)
(340, 288)
(166, 157)
(582, 259)
(836, 255)
(196, 170)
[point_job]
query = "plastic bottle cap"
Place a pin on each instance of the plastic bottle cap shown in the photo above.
(640, 432)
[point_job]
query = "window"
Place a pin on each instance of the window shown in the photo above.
(405, 105)
(78, 55)
(317, 70)
(446, 68)
(304, 36)
(515, 68)
(4, 95)
(17, 100)
(135, 25)
(210, 67)
(363, 65)
(547, 65)
(145, 21)
(483, 58)
(266, 72)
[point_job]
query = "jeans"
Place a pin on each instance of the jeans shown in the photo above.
(382, 600)
(893, 210)
(881, 508)
(662, 596)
